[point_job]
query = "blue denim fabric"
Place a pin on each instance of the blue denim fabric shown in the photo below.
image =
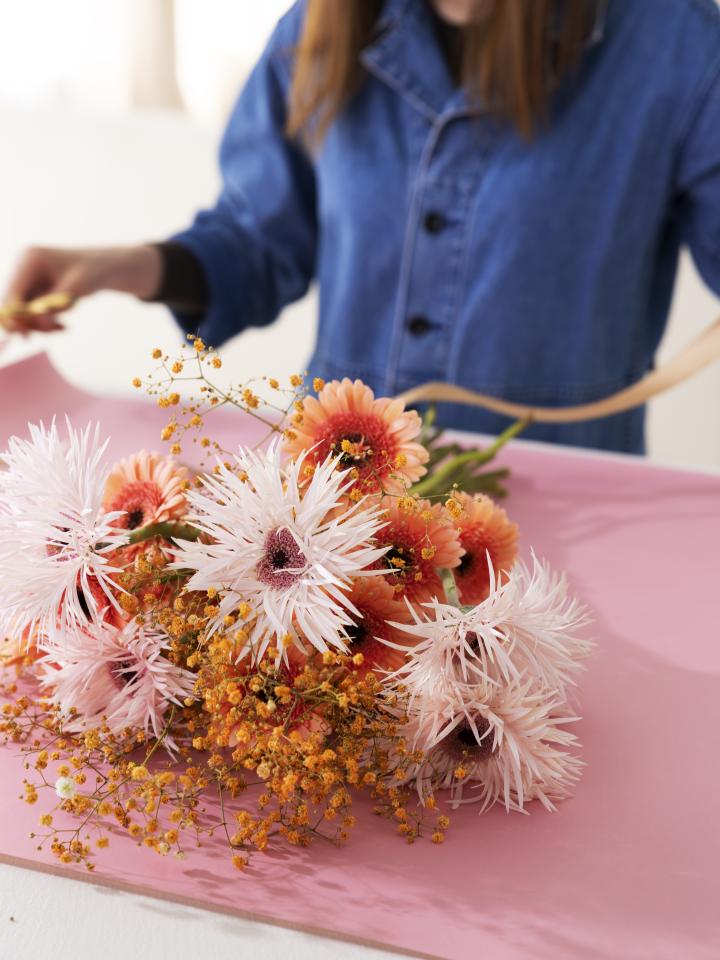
(448, 248)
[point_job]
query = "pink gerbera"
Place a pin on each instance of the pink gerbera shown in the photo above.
(147, 488)
(374, 437)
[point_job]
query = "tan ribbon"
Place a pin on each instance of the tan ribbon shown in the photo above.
(49, 303)
(697, 355)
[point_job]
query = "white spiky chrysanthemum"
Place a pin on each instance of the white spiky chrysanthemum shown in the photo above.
(287, 548)
(119, 677)
(528, 625)
(506, 745)
(54, 533)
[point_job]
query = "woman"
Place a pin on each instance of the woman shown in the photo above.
(489, 193)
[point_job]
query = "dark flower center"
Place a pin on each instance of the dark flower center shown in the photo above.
(84, 605)
(125, 671)
(135, 518)
(465, 743)
(400, 561)
(283, 561)
(467, 562)
(358, 634)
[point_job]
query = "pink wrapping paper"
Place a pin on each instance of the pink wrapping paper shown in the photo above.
(628, 868)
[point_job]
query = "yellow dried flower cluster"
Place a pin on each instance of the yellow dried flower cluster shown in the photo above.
(281, 749)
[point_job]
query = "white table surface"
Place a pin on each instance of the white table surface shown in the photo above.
(44, 916)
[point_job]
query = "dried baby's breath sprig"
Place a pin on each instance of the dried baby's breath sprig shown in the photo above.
(267, 754)
(186, 385)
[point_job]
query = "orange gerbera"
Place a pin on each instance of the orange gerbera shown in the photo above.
(422, 541)
(150, 489)
(375, 601)
(376, 437)
(484, 529)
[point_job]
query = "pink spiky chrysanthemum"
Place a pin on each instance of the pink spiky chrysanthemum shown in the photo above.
(287, 548)
(528, 624)
(487, 692)
(507, 744)
(118, 677)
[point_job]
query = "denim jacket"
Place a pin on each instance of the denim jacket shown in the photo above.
(447, 247)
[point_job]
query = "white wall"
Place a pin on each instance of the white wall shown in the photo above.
(115, 54)
(72, 179)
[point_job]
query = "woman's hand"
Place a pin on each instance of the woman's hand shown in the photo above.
(43, 270)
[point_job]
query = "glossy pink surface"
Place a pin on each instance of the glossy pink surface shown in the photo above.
(629, 867)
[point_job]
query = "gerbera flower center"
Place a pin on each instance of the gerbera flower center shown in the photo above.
(400, 559)
(362, 441)
(363, 638)
(352, 450)
(283, 561)
(467, 562)
(140, 502)
(358, 635)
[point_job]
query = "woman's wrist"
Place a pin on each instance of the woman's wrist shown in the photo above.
(134, 270)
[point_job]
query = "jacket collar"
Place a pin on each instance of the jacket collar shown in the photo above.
(406, 56)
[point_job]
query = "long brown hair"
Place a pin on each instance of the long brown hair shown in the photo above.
(513, 53)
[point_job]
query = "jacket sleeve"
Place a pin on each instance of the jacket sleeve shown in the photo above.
(257, 245)
(699, 182)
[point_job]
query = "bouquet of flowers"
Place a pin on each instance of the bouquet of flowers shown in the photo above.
(243, 650)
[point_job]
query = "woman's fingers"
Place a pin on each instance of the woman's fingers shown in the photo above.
(36, 293)
(47, 323)
(34, 276)
(40, 314)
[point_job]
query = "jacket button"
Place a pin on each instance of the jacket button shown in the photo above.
(434, 222)
(418, 326)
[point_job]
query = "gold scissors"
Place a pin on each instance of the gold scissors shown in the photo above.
(50, 303)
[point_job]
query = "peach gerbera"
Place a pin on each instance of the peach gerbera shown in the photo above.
(483, 528)
(149, 488)
(422, 541)
(377, 608)
(376, 437)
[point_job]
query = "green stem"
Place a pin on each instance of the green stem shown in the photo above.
(448, 581)
(440, 476)
(167, 530)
